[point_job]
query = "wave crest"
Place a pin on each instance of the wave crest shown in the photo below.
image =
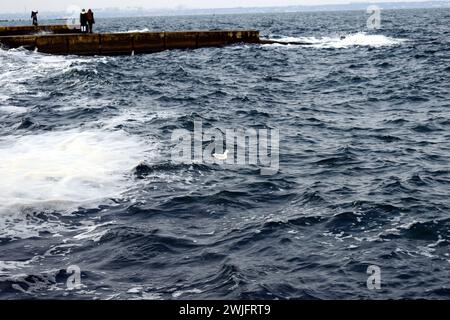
(345, 41)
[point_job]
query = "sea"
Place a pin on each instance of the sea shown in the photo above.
(95, 205)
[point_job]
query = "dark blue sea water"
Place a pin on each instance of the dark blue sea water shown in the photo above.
(86, 176)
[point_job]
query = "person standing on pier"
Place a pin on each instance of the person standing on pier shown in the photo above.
(83, 21)
(90, 20)
(34, 17)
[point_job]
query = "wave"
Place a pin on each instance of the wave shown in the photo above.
(20, 67)
(345, 41)
(138, 30)
(70, 166)
(8, 109)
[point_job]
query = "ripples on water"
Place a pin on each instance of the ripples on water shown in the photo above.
(86, 177)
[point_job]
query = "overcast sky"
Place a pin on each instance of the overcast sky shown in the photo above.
(7, 6)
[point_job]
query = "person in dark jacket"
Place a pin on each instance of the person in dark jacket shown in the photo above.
(83, 21)
(34, 17)
(90, 20)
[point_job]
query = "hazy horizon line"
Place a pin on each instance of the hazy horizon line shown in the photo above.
(357, 5)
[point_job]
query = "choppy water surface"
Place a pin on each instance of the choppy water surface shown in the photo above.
(87, 178)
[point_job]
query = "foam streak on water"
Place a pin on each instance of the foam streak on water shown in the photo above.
(346, 41)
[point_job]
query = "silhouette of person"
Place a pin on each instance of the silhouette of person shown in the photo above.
(34, 17)
(83, 21)
(90, 20)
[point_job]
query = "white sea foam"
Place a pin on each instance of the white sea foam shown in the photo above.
(20, 66)
(178, 294)
(138, 30)
(12, 109)
(68, 167)
(91, 233)
(351, 40)
(7, 266)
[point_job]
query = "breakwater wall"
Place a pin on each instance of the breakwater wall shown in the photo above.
(127, 43)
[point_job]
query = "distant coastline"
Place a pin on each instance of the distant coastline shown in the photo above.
(142, 12)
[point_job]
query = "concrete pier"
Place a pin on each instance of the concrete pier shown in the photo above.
(127, 43)
(30, 30)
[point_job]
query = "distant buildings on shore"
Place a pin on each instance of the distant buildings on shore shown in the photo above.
(140, 12)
